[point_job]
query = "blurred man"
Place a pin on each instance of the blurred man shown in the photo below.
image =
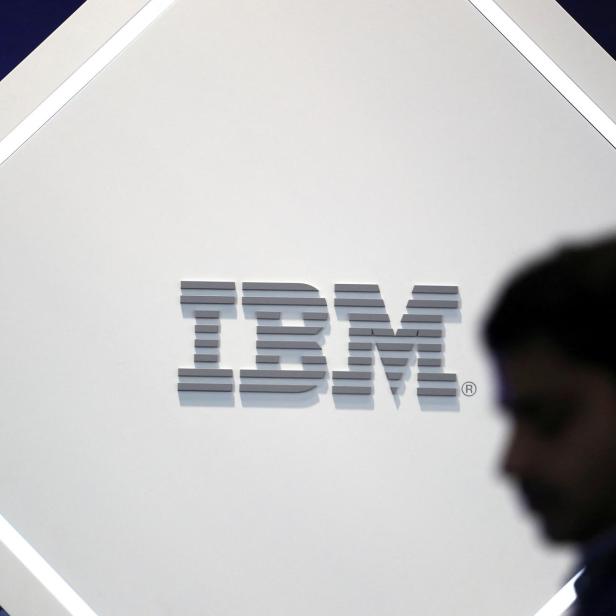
(552, 334)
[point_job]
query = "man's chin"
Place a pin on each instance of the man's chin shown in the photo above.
(556, 529)
(556, 534)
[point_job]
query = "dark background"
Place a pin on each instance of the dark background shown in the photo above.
(25, 24)
(598, 18)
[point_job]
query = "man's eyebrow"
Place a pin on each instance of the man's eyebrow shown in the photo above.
(531, 404)
(524, 404)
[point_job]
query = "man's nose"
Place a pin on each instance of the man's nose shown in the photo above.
(519, 455)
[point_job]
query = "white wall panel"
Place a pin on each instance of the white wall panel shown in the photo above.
(319, 142)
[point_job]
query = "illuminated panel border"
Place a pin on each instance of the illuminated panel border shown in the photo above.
(547, 67)
(562, 600)
(81, 77)
(42, 571)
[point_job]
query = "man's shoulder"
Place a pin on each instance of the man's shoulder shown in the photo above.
(596, 588)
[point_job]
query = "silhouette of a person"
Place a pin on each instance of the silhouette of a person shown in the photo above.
(552, 335)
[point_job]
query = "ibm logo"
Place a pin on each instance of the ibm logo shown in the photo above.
(419, 339)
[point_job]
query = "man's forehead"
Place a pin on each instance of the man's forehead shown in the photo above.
(534, 376)
(537, 366)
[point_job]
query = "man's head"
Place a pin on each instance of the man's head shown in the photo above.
(552, 334)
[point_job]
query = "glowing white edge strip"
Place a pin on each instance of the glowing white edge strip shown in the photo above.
(41, 570)
(562, 600)
(558, 78)
(82, 76)
(14, 542)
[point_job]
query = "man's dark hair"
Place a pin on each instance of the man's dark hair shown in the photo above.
(567, 297)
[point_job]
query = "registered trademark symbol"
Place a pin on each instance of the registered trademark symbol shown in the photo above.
(469, 388)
